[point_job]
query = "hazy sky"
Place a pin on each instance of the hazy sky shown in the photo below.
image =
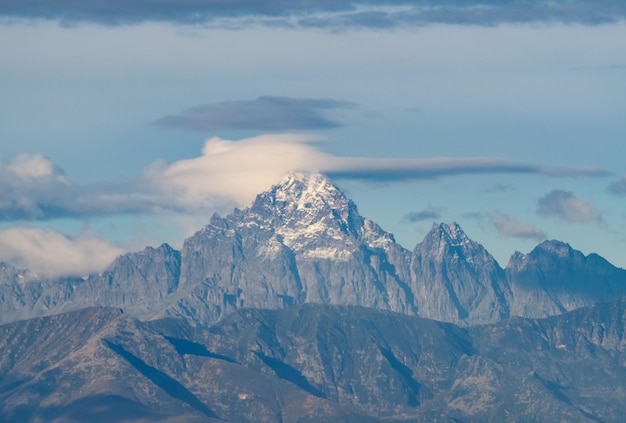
(125, 123)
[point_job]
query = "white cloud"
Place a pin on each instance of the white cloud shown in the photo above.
(233, 170)
(31, 187)
(28, 166)
(47, 252)
(227, 173)
(238, 170)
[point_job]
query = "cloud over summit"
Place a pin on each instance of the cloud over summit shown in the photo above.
(227, 173)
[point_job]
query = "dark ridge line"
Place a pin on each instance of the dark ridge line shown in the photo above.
(170, 385)
(413, 386)
(186, 347)
(290, 374)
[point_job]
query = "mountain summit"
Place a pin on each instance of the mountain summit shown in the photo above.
(456, 278)
(309, 214)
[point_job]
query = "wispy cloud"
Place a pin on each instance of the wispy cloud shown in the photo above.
(618, 187)
(566, 206)
(509, 226)
(396, 169)
(226, 173)
(264, 113)
(430, 213)
(47, 252)
(497, 188)
(323, 14)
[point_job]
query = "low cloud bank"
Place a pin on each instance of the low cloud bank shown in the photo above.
(48, 253)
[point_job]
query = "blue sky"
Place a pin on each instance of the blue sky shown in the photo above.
(124, 124)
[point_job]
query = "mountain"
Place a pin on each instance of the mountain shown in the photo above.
(314, 363)
(304, 241)
(554, 278)
(456, 279)
(299, 309)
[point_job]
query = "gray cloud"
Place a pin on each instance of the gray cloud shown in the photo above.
(33, 188)
(509, 226)
(498, 188)
(226, 174)
(322, 13)
(430, 213)
(618, 187)
(388, 170)
(565, 205)
(264, 113)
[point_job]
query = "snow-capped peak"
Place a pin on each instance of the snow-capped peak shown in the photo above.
(452, 232)
(305, 190)
(308, 213)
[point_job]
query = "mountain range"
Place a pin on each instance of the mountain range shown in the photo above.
(297, 308)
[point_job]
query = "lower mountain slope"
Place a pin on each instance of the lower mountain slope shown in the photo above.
(565, 368)
(98, 364)
(314, 363)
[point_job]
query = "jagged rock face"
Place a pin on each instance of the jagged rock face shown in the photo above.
(555, 278)
(23, 295)
(303, 241)
(139, 282)
(455, 279)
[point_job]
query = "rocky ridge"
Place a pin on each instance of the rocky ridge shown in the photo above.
(304, 241)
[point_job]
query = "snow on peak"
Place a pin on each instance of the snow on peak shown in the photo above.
(299, 188)
(453, 233)
(310, 213)
(449, 240)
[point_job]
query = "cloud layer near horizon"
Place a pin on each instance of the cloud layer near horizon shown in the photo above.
(46, 252)
(321, 14)
(227, 173)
